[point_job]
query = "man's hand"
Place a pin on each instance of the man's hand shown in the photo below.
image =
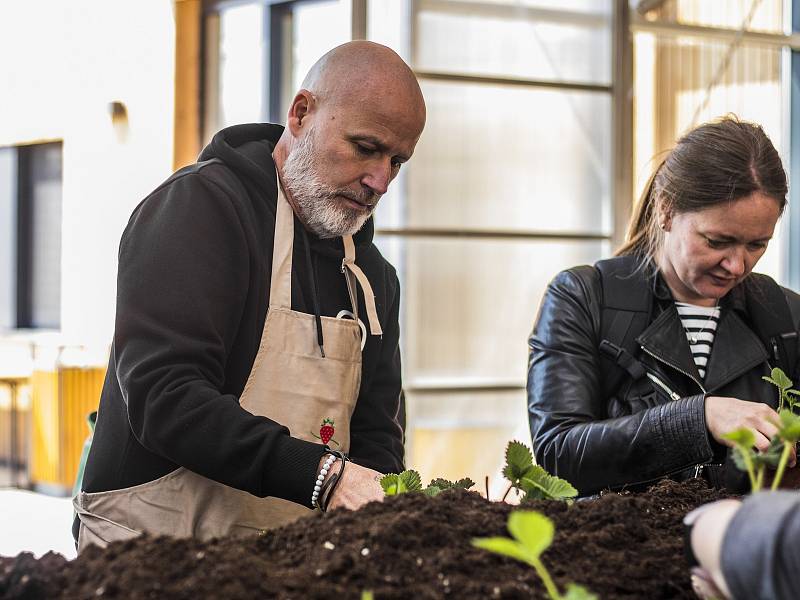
(724, 415)
(358, 486)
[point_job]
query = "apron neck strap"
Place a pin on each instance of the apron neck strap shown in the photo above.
(350, 268)
(280, 294)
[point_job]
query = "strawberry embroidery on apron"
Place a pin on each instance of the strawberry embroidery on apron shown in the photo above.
(326, 432)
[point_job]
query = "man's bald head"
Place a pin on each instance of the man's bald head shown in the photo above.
(353, 72)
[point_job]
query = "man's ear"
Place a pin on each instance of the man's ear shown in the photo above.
(299, 111)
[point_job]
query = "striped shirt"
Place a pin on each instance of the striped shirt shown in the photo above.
(700, 323)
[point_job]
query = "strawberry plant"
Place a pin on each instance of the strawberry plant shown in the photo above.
(780, 447)
(410, 481)
(750, 460)
(786, 395)
(400, 483)
(439, 485)
(788, 434)
(532, 534)
(532, 480)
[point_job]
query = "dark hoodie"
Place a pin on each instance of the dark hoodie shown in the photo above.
(193, 290)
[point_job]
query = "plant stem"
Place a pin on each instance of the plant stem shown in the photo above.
(549, 585)
(760, 476)
(748, 462)
(503, 499)
(787, 450)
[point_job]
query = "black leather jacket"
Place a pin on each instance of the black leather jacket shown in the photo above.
(643, 432)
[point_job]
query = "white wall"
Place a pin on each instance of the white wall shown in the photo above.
(62, 64)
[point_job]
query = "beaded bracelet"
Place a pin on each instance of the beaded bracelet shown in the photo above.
(321, 477)
(330, 487)
(326, 493)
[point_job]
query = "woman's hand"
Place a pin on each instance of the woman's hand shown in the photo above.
(724, 415)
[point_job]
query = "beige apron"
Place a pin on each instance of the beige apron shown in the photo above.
(290, 382)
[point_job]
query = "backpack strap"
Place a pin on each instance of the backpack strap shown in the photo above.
(769, 313)
(627, 300)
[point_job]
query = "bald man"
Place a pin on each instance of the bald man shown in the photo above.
(255, 368)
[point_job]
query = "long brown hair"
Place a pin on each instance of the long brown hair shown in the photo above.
(716, 162)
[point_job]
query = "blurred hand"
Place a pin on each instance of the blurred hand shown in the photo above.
(710, 523)
(358, 486)
(724, 415)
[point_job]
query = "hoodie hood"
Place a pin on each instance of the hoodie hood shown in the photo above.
(247, 150)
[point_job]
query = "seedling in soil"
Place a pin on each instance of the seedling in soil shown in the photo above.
(410, 481)
(786, 395)
(780, 446)
(400, 483)
(533, 534)
(532, 480)
(750, 460)
(439, 485)
(788, 434)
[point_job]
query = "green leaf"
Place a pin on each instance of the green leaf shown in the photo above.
(779, 378)
(432, 491)
(552, 487)
(411, 480)
(518, 460)
(391, 484)
(505, 547)
(532, 529)
(772, 456)
(742, 436)
(789, 429)
(446, 484)
(578, 592)
(738, 458)
(793, 392)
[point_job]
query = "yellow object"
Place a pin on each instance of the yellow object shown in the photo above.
(61, 399)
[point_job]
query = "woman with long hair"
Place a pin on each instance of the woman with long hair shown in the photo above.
(640, 364)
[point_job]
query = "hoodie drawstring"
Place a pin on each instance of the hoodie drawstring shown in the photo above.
(314, 292)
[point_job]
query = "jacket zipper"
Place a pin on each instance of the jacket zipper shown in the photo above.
(676, 367)
(663, 386)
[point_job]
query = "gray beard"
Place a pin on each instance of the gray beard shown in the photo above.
(315, 200)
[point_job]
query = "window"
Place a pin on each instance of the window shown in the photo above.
(511, 182)
(257, 54)
(696, 61)
(30, 236)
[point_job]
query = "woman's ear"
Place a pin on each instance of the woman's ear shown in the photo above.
(664, 218)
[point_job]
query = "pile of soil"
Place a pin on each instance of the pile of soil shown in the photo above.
(410, 546)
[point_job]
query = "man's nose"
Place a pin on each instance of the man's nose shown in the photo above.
(378, 176)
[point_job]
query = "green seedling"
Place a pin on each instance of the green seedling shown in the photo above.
(410, 481)
(532, 480)
(400, 483)
(786, 395)
(788, 434)
(532, 534)
(439, 485)
(367, 595)
(750, 460)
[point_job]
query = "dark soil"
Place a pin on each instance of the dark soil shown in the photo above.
(410, 546)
